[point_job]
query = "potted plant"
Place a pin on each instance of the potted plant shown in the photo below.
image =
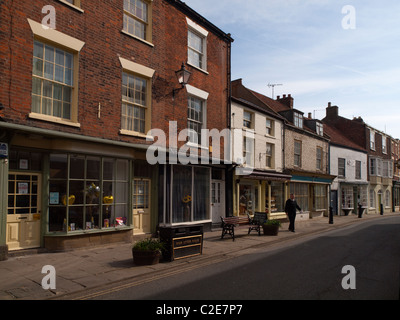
(271, 227)
(147, 251)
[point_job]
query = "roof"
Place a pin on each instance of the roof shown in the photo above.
(338, 138)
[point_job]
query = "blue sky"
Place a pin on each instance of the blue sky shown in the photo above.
(302, 44)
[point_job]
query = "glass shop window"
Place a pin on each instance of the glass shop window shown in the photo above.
(87, 193)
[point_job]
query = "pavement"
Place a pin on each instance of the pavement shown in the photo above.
(87, 273)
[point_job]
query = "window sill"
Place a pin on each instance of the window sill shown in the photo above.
(202, 70)
(72, 6)
(136, 134)
(137, 38)
(43, 117)
(196, 145)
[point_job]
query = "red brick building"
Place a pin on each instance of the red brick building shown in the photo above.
(82, 83)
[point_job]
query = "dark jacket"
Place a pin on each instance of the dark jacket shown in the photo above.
(291, 206)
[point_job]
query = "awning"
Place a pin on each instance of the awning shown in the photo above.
(267, 175)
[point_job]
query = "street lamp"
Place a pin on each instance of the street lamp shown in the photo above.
(183, 77)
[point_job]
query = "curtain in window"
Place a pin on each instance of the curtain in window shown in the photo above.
(201, 201)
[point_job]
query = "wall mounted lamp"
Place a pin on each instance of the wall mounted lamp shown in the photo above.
(183, 77)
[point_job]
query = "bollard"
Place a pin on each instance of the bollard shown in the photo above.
(330, 215)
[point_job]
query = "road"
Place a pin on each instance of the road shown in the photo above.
(310, 269)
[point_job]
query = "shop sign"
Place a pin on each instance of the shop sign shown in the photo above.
(3, 150)
(187, 246)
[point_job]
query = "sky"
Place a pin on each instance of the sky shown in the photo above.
(343, 52)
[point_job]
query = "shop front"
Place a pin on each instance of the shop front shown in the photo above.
(312, 192)
(64, 193)
(261, 192)
(187, 193)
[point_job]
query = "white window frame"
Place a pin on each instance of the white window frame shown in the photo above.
(298, 119)
(372, 139)
(202, 33)
(203, 96)
(384, 145)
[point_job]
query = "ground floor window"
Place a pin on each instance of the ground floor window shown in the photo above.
(371, 198)
(347, 197)
(277, 196)
(320, 197)
(300, 190)
(396, 196)
(247, 197)
(87, 192)
(190, 194)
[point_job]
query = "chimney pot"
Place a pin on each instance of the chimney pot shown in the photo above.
(310, 115)
(284, 96)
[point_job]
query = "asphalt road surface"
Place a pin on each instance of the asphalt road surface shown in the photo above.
(310, 269)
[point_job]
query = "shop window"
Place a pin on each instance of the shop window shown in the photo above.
(25, 160)
(246, 199)
(320, 197)
(347, 197)
(82, 196)
(277, 197)
(300, 190)
(190, 194)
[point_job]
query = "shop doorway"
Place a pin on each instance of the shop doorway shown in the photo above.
(141, 206)
(24, 210)
(217, 200)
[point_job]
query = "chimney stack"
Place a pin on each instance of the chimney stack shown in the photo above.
(332, 111)
(286, 100)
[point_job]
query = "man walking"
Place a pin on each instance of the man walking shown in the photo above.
(290, 209)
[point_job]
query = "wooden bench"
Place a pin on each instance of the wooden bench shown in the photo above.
(229, 224)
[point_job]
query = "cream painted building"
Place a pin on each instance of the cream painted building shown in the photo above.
(258, 146)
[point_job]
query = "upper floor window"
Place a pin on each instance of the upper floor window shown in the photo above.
(384, 147)
(342, 167)
(372, 139)
(197, 45)
(136, 19)
(248, 151)
(270, 127)
(358, 170)
(319, 158)
(52, 81)
(269, 155)
(247, 119)
(75, 4)
(320, 129)
(195, 119)
(134, 103)
(298, 119)
(297, 153)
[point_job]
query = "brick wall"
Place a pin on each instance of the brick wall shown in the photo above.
(100, 72)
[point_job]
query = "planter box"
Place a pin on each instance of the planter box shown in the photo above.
(143, 258)
(270, 230)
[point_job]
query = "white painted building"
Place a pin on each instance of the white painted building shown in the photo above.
(349, 162)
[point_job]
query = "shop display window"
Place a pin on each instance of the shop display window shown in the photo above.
(300, 190)
(191, 194)
(277, 197)
(87, 193)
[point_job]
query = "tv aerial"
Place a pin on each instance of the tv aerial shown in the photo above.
(273, 85)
